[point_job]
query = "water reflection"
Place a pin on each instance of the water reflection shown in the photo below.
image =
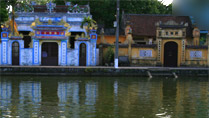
(5, 98)
(68, 93)
(103, 97)
(29, 98)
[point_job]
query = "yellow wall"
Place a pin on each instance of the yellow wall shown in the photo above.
(136, 59)
(196, 61)
(143, 61)
(111, 39)
(136, 50)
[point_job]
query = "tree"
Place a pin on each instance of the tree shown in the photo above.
(3, 12)
(104, 11)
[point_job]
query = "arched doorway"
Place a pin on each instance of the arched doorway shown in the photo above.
(170, 54)
(49, 54)
(82, 55)
(15, 53)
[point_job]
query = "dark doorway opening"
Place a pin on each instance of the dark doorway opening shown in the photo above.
(15, 53)
(170, 54)
(26, 38)
(72, 39)
(82, 55)
(49, 56)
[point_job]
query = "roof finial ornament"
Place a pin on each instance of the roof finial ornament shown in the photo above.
(50, 6)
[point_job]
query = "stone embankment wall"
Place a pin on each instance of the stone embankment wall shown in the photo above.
(104, 71)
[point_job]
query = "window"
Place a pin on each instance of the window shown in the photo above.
(184, 33)
(160, 33)
(166, 33)
(171, 33)
(176, 33)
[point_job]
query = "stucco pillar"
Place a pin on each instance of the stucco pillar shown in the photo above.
(208, 49)
(102, 38)
(129, 51)
(100, 55)
(159, 48)
(4, 47)
(196, 35)
(93, 41)
(64, 53)
(183, 51)
(36, 52)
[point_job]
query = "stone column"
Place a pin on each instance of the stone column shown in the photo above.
(93, 42)
(130, 48)
(196, 35)
(183, 52)
(208, 49)
(4, 47)
(36, 52)
(100, 55)
(64, 53)
(159, 46)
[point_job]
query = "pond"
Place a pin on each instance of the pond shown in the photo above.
(103, 97)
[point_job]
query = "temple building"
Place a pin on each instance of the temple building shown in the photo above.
(49, 35)
(66, 35)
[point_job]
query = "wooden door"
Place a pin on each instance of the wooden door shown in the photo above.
(82, 54)
(15, 53)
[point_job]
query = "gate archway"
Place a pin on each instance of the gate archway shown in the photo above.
(49, 54)
(15, 53)
(82, 55)
(171, 54)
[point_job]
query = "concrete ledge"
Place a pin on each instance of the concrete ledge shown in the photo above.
(102, 71)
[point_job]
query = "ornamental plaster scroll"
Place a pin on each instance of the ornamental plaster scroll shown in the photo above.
(61, 23)
(159, 49)
(183, 50)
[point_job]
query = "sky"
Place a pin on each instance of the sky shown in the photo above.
(166, 2)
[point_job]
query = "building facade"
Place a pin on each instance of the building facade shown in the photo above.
(158, 40)
(49, 35)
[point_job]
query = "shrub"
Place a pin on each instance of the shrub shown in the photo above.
(109, 56)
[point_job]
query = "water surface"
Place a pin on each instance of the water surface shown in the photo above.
(103, 97)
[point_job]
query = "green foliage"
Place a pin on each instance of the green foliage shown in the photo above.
(104, 11)
(3, 12)
(202, 40)
(40, 2)
(109, 56)
(89, 21)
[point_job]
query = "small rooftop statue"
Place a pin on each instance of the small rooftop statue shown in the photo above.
(33, 3)
(67, 3)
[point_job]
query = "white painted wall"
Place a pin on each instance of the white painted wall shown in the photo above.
(97, 56)
(0, 53)
(26, 57)
(72, 59)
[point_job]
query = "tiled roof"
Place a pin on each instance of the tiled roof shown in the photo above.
(144, 24)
